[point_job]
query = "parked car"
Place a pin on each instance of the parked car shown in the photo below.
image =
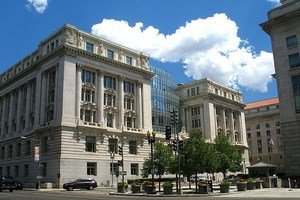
(88, 184)
(7, 183)
(19, 185)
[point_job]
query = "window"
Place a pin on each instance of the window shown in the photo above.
(129, 121)
(249, 135)
(225, 94)
(258, 134)
(128, 60)
(268, 132)
(294, 60)
(188, 92)
(267, 125)
(128, 87)
(89, 47)
(132, 147)
(291, 41)
(27, 148)
(115, 168)
(277, 123)
(134, 169)
(44, 169)
(91, 168)
(110, 54)
(109, 82)
(296, 91)
(113, 145)
(216, 91)
(8, 171)
(198, 91)
(2, 153)
(278, 131)
(18, 149)
(109, 100)
(45, 144)
(193, 92)
(128, 104)
(90, 144)
(257, 126)
(259, 146)
(88, 95)
(232, 97)
(109, 120)
(1, 173)
(88, 77)
(16, 170)
(26, 170)
(10, 151)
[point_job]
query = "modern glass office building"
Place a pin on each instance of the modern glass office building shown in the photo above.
(163, 98)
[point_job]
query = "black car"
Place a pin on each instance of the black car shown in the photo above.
(7, 183)
(88, 184)
(19, 185)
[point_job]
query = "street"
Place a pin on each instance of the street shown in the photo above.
(102, 193)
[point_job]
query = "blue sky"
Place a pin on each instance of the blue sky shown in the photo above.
(190, 39)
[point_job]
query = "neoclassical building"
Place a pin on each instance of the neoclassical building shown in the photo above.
(77, 97)
(263, 132)
(212, 108)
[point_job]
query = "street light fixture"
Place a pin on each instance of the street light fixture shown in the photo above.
(151, 141)
(112, 156)
(37, 158)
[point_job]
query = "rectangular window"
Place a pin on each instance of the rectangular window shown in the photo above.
(16, 170)
(188, 92)
(258, 134)
(193, 92)
(109, 120)
(291, 41)
(89, 47)
(2, 153)
(249, 135)
(110, 54)
(259, 146)
(10, 151)
(92, 168)
(27, 148)
(129, 122)
(113, 145)
(132, 147)
(128, 60)
(294, 60)
(45, 144)
(88, 77)
(278, 131)
(26, 170)
(128, 87)
(109, 82)
(134, 169)
(90, 144)
(296, 91)
(114, 169)
(18, 150)
(268, 132)
(267, 125)
(44, 169)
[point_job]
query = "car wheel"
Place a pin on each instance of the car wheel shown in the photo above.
(91, 187)
(11, 190)
(70, 188)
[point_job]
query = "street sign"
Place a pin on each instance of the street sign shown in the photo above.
(39, 177)
(123, 172)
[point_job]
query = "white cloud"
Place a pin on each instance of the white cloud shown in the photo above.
(39, 5)
(276, 2)
(206, 48)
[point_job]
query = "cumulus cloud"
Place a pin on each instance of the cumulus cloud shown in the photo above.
(276, 2)
(205, 47)
(39, 5)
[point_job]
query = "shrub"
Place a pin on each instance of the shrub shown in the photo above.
(250, 180)
(121, 184)
(242, 180)
(168, 184)
(225, 182)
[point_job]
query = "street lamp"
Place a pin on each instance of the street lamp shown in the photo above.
(37, 158)
(112, 156)
(151, 141)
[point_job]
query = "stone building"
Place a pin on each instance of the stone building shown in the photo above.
(212, 108)
(283, 26)
(263, 132)
(77, 97)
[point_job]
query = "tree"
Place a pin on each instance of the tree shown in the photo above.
(162, 158)
(229, 158)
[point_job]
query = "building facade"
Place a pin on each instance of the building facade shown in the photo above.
(164, 99)
(211, 108)
(67, 107)
(283, 26)
(263, 132)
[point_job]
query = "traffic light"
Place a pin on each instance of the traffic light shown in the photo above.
(174, 145)
(180, 145)
(119, 162)
(168, 132)
(174, 117)
(120, 150)
(117, 173)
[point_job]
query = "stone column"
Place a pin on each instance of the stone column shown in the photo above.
(202, 117)
(18, 120)
(223, 120)
(188, 119)
(27, 109)
(121, 102)
(78, 92)
(100, 98)
(43, 99)
(232, 127)
(139, 105)
(11, 113)
(3, 118)
(37, 100)
(56, 94)
(243, 129)
(239, 127)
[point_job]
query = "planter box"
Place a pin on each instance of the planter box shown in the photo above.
(122, 189)
(241, 186)
(224, 188)
(203, 189)
(136, 188)
(150, 190)
(258, 184)
(251, 186)
(168, 190)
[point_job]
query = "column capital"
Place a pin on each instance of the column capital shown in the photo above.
(79, 66)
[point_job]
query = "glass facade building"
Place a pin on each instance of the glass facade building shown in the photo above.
(163, 98)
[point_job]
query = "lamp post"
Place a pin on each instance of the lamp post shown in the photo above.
(151, 141)
(37, 158)
(112, 156)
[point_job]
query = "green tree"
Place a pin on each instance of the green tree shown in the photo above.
(229, 158)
